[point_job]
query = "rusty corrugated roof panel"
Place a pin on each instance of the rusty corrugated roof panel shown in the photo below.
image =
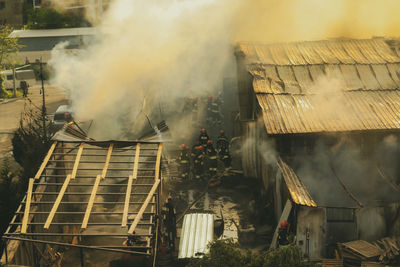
(297, 190)
(285, 113)
(348, 51)
(363, 248)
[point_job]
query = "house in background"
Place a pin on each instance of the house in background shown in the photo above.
(11, 12)
(320, 127)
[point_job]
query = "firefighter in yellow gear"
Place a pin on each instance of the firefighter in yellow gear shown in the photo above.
(184, 161)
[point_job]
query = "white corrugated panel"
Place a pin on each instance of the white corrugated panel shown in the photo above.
(197, 233)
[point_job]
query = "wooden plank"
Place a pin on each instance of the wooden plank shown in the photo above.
(129, 186)
(27, 206)
(77, 159)
(90, 203)
(110, 149)
(144, 206)
(284, 217)
(57, 202)
(46, 160)
(157, 174)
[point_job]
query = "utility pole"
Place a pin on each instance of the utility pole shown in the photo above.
(43, 101)
(14, 85)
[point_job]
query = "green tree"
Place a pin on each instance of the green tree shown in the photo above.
(30, 141)
(9, 46)
(49, 18)
(226, 253)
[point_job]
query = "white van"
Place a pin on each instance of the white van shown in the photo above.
(20, 75)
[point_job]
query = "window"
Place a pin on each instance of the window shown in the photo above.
(2, 5)
(9, 77)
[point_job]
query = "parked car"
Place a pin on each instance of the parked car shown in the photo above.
(62, 115)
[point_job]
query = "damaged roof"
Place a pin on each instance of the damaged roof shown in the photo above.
(293, 82)
(330, 183)
(99, 192)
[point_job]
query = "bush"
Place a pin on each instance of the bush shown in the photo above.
(227, 253)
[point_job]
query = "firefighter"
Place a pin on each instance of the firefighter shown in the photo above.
(24, 87)
(222, 141)
(169, 221)
(212, 159)
(199, 162)
(225, 157)
(203, 138)
(184, 161)
(283, 234)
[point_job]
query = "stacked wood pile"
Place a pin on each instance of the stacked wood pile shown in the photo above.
(363, 253)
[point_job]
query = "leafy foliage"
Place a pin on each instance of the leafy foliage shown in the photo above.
(30, 141)
(49, 18)
(8, 46)
(227, 253)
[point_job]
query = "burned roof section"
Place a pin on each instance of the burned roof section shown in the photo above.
(336, 85)
(93, 195)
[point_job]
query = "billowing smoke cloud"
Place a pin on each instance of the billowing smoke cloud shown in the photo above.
(291, 20)
(146, 52)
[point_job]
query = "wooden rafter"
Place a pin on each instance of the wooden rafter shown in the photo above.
(110, 149)
(129, 186)
(46, 160)
(77, 159)
(157, 174)
(27, 207)
(57, 202)
(143, 208)
(90, 203)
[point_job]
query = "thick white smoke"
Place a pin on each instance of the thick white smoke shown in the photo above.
(146, 51)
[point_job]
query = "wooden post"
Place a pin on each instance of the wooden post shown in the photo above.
(90, 203)
(143, 208)
(27, 206)
(77, 159)
(46, 160)
(57, 202)
(110, 148)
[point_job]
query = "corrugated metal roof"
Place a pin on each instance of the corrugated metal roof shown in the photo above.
(345, 51)
(359, 110)
(197, 233)
(297, 190)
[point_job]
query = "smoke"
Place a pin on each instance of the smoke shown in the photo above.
(146, 52)
(290, 20)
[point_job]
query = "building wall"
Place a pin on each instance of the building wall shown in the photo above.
(247, 97)
(311, 229)
(11, 12)
(371, 223)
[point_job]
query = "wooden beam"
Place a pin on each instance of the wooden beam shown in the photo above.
(57, 202)
(90, 203)
(110, 149)
(144, 206)
(284, 217)
(151, 221)
(27, 206)
(46, 160)
(159, 152)
(129, 186)
(77, 159)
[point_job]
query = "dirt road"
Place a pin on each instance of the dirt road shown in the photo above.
(10, 112)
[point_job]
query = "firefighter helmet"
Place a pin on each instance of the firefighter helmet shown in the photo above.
(200, 148)
(209, 142)
(221, 132)
(216, 98)
(203, 130)
(183, 146)
(284, 224)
